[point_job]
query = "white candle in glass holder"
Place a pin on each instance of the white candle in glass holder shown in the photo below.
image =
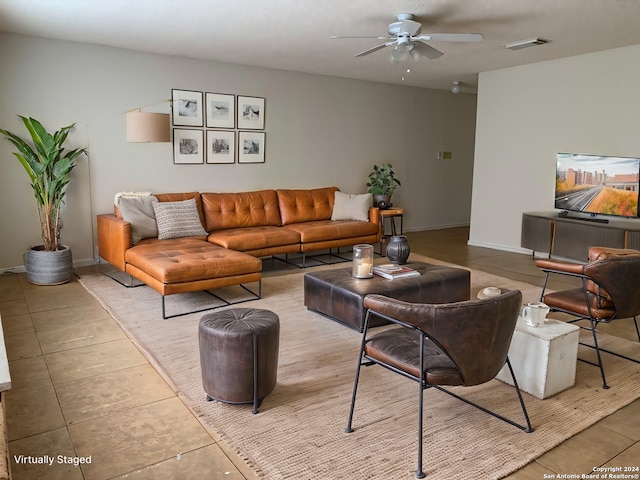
(362, 261)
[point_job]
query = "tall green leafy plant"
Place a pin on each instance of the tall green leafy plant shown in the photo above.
(49, 168)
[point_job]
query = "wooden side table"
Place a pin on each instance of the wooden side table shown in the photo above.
(391, 214)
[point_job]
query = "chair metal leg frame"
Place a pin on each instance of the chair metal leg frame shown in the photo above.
(598, 348)
(422, 385)
(526, 428)
(225, 303)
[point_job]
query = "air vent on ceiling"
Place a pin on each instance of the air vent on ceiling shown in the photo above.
(530, 42)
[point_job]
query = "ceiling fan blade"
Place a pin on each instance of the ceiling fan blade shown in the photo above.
(379, 38)
(451, 37)
(374, 49)
(427, 50)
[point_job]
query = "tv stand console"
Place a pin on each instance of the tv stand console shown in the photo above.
(569, 237)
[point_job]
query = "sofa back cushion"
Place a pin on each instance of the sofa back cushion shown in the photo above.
(223, 211)
(297, 206)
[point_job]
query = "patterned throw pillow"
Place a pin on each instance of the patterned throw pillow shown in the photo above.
(178, 219)
(351, 207)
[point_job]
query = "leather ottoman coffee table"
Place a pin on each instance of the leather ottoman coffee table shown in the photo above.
(336, 294)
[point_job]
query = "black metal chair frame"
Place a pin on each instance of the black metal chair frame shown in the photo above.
(366, 360)
(593, 321)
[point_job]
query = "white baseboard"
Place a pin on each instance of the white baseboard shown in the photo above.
(86, 262)
(436, 227)
(496, 246)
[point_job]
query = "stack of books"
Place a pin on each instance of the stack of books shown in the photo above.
(391, 271)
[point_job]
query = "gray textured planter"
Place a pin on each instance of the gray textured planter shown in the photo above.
(48, 268)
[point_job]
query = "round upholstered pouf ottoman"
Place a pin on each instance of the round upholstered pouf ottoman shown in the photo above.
(239, 354)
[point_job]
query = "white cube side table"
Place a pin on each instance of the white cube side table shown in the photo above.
(543, 358)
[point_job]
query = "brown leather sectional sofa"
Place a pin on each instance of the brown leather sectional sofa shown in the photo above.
(241, 228)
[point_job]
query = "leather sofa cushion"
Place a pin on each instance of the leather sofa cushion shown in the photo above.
(573, 300)
(240, 210)
(189, 259)
(254, 238)
(400, 347)
(323, 230)
(306, 205)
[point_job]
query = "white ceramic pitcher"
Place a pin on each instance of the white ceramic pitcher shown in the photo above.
(535, 313)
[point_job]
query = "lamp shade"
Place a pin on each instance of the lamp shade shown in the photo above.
(147, 127)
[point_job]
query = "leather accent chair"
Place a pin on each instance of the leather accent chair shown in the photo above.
(609, 291)
(436, 345)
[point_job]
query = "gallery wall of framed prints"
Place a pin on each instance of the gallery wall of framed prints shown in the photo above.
(217, 128)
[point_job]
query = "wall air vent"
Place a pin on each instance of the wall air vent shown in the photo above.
(530, 42)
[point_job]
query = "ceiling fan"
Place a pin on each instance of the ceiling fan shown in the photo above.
(405, 35)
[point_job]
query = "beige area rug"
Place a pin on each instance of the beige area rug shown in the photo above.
(299, 432)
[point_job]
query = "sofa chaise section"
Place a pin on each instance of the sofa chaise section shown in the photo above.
(177, 265)
(188, 264)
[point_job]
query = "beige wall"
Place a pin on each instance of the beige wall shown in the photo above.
(320, 131)
(526, 115)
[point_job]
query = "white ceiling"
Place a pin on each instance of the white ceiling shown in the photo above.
(294, 34)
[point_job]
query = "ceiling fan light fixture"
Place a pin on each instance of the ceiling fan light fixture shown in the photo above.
(400, 52)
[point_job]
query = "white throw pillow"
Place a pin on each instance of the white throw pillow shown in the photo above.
(138, 211)
(351, 207)
(178, 219)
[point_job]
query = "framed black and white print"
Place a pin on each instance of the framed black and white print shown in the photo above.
(220, 109)
(188, 146)
(251, 147)
(250, 113)
(187, 108)
(221, 146)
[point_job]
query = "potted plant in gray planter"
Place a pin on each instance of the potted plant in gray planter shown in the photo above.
(382, 182)
(49, 168)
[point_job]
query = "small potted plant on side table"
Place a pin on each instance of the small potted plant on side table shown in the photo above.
(382, 182)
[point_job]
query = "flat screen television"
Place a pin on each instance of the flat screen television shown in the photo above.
(597, 185)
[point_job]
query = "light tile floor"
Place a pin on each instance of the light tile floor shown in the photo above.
(80, 388)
